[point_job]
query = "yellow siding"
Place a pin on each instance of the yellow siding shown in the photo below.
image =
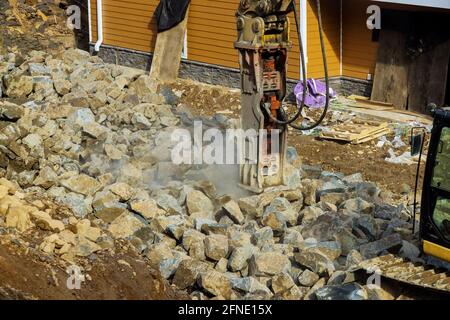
(331, 24)
(359, 51)
(212, 31)
(127, 24)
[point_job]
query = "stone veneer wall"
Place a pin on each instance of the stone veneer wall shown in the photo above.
(217, 75)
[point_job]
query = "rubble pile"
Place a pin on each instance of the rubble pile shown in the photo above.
(96, 138)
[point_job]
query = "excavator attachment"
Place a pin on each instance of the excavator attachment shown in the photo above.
(263, 42)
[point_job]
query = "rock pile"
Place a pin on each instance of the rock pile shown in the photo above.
(97, 138)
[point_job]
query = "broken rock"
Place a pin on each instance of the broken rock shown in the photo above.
(125, 225)
(216, 284)
(216, 246)
(268, 264)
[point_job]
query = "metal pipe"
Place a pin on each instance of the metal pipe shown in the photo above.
(89, 22)
(99, 26)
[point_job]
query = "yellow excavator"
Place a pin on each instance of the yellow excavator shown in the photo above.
(263, 41)
(434, 229)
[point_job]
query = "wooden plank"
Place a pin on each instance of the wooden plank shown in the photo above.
(391, 72)
(356, 132)
(371, 137)
(167, 55)
(428, 78)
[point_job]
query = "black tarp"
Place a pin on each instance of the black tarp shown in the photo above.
(169, 13)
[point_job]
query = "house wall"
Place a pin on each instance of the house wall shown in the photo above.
(127, 24)
(331, 11)
(211, 32)
(359, 51)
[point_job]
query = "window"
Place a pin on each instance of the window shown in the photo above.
(441, 181)
(441, 171)
(441, 216)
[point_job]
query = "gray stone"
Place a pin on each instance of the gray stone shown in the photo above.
(168, 203)
(240, 256)
(250, 285)
(282, 282)
(216, 284)
(188, 273)
(80, 117)
(315, 260)
(385, 211)
(18, 86)
(310, 214)
(77, 203)
(392, 242)
(369, 226)
(81, 183)
(293, 238)
(262, 236)
(409, 251)
(125, 225)
(199, 205)
(283, 206)
(140, 121)
(167, 267)
(268, 264)
(216, 246)
(350, 291)
(308, 278)
(233, 211)
(357, 205)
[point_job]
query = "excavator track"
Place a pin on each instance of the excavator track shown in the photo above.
(409, 273)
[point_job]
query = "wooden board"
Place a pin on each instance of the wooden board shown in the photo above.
(372, 105)
(391, 72)
(428, 78)
(167, 55)
(358, 131)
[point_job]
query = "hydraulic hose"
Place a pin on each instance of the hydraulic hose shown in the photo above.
(303, 66)
(327, 82)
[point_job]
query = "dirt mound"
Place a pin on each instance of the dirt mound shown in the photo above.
(30, 275)
(34, 25)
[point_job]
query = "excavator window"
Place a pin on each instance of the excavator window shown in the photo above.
(441, 181)
(441, 172)
(441, 216)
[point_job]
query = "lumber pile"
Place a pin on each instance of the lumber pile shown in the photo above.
(359, 131)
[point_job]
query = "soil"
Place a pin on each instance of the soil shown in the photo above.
(26, 274)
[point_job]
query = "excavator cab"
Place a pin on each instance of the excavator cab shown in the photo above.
(435, 207)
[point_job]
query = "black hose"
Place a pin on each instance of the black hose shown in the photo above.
(327, 81)
(303, 66)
